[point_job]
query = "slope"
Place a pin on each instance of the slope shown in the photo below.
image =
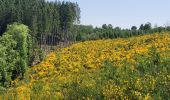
(132, 68)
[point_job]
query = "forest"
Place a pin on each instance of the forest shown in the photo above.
(39, 23)
(46, 53)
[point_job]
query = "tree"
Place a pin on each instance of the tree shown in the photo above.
(141, 27)
(110, 26)
(42, 17)
(8, 58)
(14, 53)
(19, 33)
(133, 28)
(104, 26)
(147, 26)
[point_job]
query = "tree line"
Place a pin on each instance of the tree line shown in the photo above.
(44, 19)
(88, 32)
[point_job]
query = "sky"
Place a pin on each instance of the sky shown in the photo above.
(123, 13)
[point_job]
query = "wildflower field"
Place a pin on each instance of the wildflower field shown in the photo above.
(125, 68)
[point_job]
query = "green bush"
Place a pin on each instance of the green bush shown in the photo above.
(14, 53)
(41, 54)
(8, 58)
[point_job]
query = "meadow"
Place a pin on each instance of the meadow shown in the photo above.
(136, 68)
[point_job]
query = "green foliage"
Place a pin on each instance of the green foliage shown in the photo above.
(14, 53)
(43, 18)
(108, 32)
(31, 49)
(38, 87)
(77, 91)
(19, 33)
(8, 58)
(41, 55)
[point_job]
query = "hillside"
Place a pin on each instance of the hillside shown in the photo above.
(124, 68)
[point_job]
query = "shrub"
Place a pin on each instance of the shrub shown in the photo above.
(14, 53)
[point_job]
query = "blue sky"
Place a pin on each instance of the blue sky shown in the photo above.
(123, 13)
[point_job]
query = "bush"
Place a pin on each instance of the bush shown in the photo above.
(14, 53)
(8, 58)
(41, 54)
